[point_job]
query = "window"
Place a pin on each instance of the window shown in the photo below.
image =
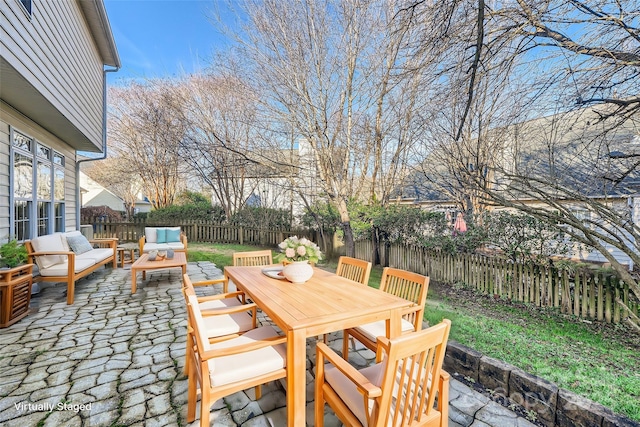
(38, 188)
(27, 5)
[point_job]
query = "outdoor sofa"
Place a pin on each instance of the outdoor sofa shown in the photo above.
(67, 257)
(162, 239)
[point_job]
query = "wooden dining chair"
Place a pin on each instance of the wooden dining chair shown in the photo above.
(253, 258)
(354, 269)
(404, 284)
(229, 366)
(399, 391)
(224, 317)
(250, 258)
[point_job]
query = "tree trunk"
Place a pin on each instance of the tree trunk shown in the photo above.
(349, 243)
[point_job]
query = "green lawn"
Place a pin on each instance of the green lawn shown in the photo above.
(599, 362)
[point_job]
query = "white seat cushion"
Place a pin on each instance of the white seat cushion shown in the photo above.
(226, 324)
(220, 303)
(49, 243)
(379, 329)
(62, 268)
(346, 389)
(162, 246)
(228, 369)
(97, 255)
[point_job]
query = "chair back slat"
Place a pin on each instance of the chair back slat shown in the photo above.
(354, 269)
(410, 384)
(407, 285)
(252, 258)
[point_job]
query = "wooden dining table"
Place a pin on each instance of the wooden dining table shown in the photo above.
(326, 303)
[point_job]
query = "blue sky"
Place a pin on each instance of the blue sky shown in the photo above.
(162, 38)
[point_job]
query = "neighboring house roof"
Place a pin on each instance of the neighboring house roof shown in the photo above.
(590, 156)
(95, 194)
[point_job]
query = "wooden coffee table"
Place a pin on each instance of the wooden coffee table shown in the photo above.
(143, 264)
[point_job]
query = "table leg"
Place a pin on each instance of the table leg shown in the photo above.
(134, 273)
(296, 378)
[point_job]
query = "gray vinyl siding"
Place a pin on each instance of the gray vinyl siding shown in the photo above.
(55, 52)
(10, 118)
(4, 179)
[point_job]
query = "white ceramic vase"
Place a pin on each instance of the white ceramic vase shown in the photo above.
(298, 272)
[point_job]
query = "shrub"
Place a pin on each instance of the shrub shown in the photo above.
(103, 212)
(12, 254)
(200, 211)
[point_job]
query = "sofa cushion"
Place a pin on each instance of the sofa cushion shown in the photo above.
(173, 235)
(79, 244)
(150, 234)
(97, 255)
(161, 235)
(61, 269)
(162, 246)
(49, 243)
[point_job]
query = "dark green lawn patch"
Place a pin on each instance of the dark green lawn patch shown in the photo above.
(598, 361)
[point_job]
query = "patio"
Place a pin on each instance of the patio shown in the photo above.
(113, 358)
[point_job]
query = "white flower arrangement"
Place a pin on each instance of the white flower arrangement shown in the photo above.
(303, 249)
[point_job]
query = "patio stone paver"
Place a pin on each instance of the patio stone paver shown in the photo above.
(113, 358)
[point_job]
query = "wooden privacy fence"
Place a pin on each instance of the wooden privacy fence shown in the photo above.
(200, 232)
(586, 294)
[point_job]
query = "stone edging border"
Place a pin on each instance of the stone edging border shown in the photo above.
(554, 406)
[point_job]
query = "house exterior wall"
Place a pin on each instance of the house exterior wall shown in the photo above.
(52, 62)
(54, 50)
(10, 118)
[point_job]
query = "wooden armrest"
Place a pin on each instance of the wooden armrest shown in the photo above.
(110, 242)
(444, 375)
(41, 253)
(409, 310)
(361, 382)
(230, 310)
(221, 296)
(243, 348)
(209, 282)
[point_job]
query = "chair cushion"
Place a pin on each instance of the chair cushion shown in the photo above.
(62, 268)
(173, 235)
(379, 329)
(226, 324)
(49, 243)
(150, 234)
(220, 303)
(346, 389)
(97, 255)
(161, 235)
(79, 244)
(228, 369)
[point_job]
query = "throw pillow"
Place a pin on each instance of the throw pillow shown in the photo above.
(162, 235)
(173, 235)
(79, 244)
(150, 234)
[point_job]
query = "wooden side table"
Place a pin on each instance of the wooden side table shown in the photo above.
(15, 294)
(127, 247)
